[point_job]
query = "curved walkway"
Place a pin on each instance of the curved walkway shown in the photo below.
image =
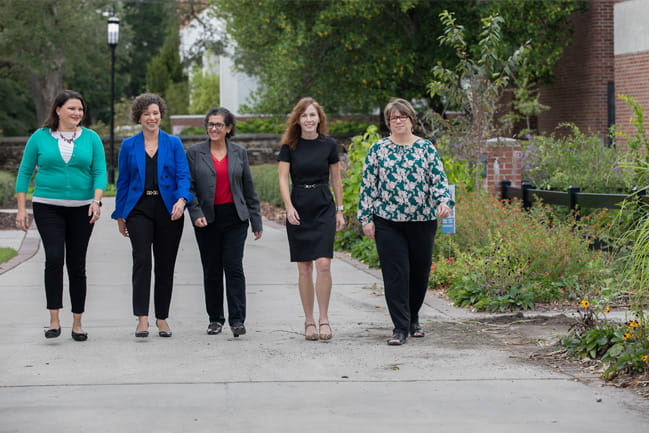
(270, 380)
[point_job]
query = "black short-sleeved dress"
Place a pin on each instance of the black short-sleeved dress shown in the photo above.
(311, 197)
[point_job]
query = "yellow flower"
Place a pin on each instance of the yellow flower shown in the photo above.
(633, 324)
(626, 336)
(607, 309)
(585, 304)
(644, 358)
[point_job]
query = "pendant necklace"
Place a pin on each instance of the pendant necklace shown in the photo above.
(68, 140)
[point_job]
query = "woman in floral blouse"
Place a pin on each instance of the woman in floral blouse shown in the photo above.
(403, 192)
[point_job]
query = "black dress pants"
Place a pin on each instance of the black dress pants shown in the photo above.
(65, 232)
(149, 226)
(406, 253)
(221, 246)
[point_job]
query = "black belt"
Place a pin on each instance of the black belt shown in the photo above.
(311, 185)
(151, 192)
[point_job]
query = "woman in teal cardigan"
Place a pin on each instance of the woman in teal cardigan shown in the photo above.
(69, 184)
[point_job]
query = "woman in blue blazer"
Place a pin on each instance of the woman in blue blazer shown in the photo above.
(225, 204)
(152, 191)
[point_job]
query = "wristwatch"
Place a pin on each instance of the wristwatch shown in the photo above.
(98, 202)
(340, 208)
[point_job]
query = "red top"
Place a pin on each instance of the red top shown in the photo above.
(222, 194)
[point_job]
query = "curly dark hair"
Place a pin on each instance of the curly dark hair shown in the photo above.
(228, 118)
(141, 103)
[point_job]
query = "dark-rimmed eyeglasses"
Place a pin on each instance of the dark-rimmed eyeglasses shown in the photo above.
(397, 118)
(216, 125)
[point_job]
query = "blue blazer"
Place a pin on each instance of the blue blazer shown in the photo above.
(173, 173)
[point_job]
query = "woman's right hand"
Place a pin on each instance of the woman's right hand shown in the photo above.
(292, 216)
(22, 220)
(121, 226)
(368, 229)
(200, 222)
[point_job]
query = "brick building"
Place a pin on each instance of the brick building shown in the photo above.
(609, 55)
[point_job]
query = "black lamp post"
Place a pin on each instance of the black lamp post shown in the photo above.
(113, 39)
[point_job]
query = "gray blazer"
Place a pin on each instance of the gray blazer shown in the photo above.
(203, 184)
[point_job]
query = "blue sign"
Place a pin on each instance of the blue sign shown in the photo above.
(448, 224)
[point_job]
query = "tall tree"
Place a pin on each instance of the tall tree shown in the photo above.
(38, 40)
(353, 55)
(350, 55)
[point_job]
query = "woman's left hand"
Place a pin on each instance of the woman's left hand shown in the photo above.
(178, 209)
(443, 211)
(257, 234)
(94, 212)
(340, 221)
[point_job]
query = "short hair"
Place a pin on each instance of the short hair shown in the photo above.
(402, 106)
(52, 120)
(228, 118)
(141, 102)
(293, 130)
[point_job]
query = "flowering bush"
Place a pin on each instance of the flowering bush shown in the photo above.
(508, 258)
(623, 347)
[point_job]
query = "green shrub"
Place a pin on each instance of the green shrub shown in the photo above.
(348, 126)
(258, 125)
(503, 257)
(7, 186)
(266, 179)
(555, 163)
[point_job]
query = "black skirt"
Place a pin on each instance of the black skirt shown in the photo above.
(314, 237)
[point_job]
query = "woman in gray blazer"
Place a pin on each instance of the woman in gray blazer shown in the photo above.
(225, 200)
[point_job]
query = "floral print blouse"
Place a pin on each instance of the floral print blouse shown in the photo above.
(402, 183)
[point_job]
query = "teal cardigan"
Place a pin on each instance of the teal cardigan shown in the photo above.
(75, 180)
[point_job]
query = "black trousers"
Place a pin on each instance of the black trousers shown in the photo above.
(406, 253)
(65, 232)
(221, 246)
(149, 227)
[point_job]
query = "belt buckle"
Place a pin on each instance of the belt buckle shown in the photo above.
(151, 192)
(309, 186)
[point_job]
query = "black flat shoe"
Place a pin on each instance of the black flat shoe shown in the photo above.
(79, 336)
(417, 331)
(238, 329)
(52, 333)
(397, 339)
(214, 328)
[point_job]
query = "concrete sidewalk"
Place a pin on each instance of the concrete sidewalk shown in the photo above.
(271, 379)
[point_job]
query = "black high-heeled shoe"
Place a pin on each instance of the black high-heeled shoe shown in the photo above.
(165, 334)
(79, 336)
(52, 332)
(142, 334)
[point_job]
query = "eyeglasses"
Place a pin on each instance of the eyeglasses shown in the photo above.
(401, 118)
(216, 125)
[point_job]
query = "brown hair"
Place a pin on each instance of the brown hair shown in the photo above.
(294, 130)
(402, 106)
(52, 120)
(141, 103)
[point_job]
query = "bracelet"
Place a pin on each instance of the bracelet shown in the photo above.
(98, 202)
(340, 208)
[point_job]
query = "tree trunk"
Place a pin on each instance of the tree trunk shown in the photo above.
(43, 89)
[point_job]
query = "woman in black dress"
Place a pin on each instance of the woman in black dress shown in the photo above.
(312, 216)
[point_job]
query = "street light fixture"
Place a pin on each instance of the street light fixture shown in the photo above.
(113, 39)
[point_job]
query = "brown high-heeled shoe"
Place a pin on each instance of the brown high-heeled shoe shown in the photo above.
(307, 336)
(325, 335)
